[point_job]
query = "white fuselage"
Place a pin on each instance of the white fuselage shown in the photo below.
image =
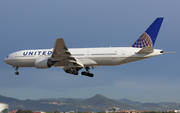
(88, 56)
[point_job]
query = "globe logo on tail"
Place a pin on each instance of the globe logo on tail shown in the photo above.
(143, 41)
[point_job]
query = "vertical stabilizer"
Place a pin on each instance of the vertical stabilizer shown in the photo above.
(148, 38)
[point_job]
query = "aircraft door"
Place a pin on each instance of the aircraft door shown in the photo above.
(123, 55)
(15, 56)
(87, 53)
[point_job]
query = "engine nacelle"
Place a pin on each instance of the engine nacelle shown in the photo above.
(42, 63)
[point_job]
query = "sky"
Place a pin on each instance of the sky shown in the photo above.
(27, 24)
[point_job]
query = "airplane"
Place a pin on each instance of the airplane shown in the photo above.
(74, 59)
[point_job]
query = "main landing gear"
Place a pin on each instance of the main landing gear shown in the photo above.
(74, 71)
(86, 73)
(16, 73)
(71, 71)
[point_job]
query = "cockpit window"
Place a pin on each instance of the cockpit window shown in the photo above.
(7, 56)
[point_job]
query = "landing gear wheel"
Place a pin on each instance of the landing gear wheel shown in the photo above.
(75, 73)
(91, 75)
(87, 74)
(17, 73)
(83, 73)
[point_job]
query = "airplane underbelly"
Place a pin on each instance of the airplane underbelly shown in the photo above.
(108, 61)
(22, 62)
(116, 61)
(131, 59)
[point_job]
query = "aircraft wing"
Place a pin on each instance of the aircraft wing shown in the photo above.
(62, 56)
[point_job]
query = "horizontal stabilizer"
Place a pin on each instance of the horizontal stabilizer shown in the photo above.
(169, 52)
(146, 50)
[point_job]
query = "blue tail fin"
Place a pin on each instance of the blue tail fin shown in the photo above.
(148, 38)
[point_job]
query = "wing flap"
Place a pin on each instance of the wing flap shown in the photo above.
(62, 55)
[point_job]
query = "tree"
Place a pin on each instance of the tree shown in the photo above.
(20, 111)
(56, 112)
(28, 111)
(25, 111)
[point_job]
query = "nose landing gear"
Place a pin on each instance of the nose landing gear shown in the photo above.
(16, 73)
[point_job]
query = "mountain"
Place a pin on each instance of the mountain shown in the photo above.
(129, 102)
(4, 99)
(170, 105)
(12, 102)
(95, 103)
(59, 99)
(100, 102)
(150, 106)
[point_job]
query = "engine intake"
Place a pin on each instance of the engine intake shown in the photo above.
(43, 63)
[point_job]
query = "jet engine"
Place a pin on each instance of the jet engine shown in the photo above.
(42, 63)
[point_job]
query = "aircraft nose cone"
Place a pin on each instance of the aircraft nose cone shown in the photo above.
(5, 60)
